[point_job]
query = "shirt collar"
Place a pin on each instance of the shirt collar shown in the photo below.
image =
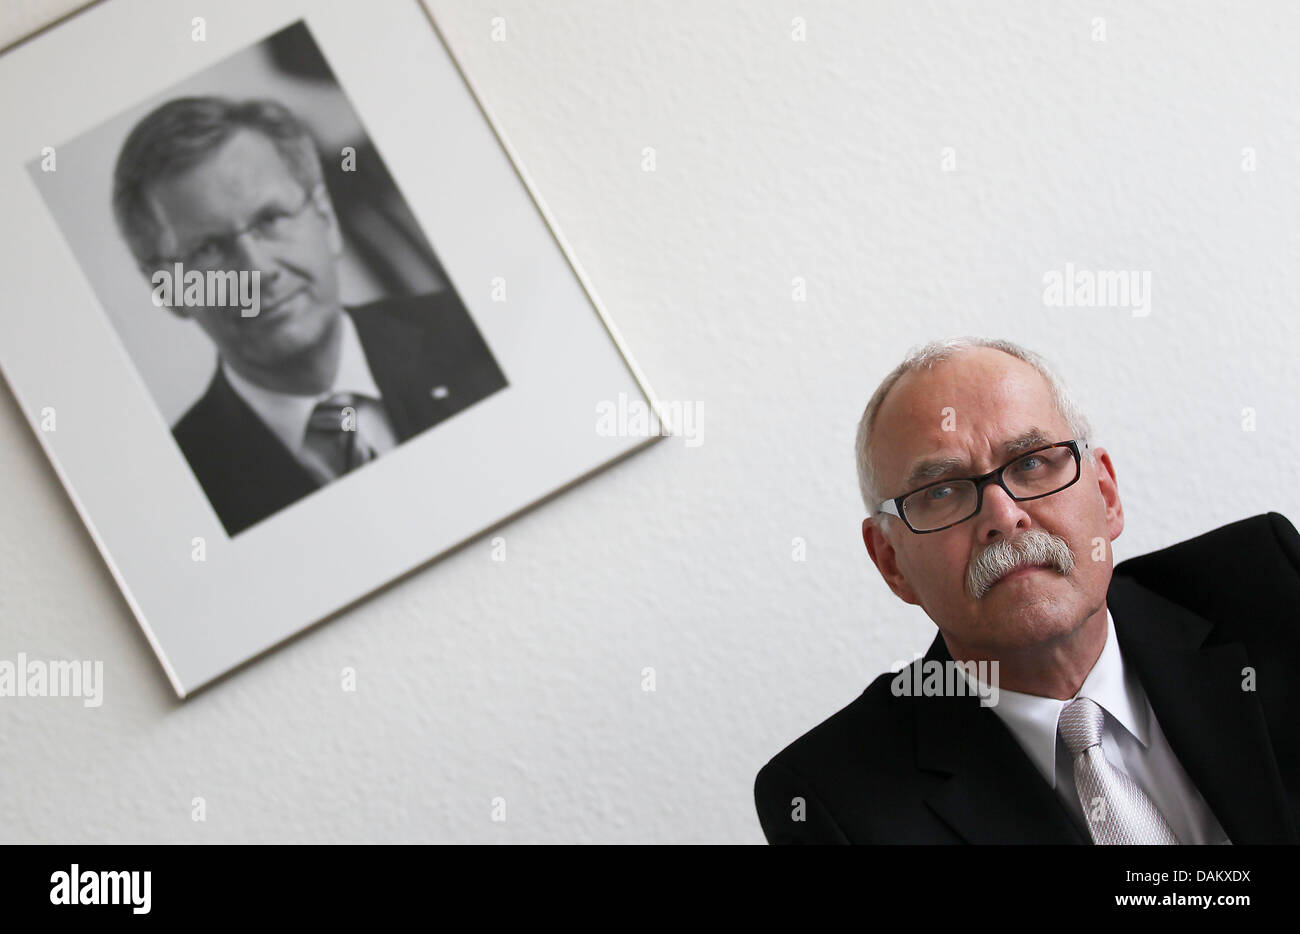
(1113, 686)
(286, 414)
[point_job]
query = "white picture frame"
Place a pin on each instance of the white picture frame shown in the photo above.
(103, 428)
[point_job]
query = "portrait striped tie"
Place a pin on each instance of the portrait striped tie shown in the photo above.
(332, 434)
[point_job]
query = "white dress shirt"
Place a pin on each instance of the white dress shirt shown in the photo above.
(1131, 739)
(287, 415)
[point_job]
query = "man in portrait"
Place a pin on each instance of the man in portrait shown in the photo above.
(1152, 702)
(305, 390)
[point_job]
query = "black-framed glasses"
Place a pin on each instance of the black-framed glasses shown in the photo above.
(273, 223)
(1032, 475)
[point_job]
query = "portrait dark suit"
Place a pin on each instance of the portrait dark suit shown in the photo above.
(1192, 620)
(413, 346)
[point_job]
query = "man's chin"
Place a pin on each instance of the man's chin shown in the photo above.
(1026, 627)
(287, 334)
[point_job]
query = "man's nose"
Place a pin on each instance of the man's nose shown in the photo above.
(1000, 514)
(254, 253)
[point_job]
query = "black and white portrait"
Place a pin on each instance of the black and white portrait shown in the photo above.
(266, 277)
(286, 311)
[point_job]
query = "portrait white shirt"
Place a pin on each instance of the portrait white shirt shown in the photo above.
(1131, 739)
(287, 414)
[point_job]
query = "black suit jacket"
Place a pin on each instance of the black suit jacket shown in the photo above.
(1188, 618)
(413, 345)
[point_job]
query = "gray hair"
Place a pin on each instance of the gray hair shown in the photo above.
(184, 132)
(935, 352)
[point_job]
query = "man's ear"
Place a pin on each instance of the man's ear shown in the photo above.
(149, 270)
(161, 241)
(886, 559)
(1109, 488)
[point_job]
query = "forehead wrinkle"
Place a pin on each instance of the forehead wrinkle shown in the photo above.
(935, 468)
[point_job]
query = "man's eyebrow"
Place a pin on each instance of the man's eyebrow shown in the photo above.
(930, 470)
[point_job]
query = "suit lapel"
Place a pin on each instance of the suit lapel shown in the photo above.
(1217, 731)
(995, 793)
(261, 473)
(395, 352)
(1215, 728)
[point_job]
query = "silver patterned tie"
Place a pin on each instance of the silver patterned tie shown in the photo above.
(1115, 808)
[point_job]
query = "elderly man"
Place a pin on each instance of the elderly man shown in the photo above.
(305, 390)
(1154, 703)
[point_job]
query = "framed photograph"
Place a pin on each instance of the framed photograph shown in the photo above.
(286, 316)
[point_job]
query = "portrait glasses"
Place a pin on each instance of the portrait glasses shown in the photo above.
(273, 223)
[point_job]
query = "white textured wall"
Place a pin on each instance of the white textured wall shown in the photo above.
(776, 159)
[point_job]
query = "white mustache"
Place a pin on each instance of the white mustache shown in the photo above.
(1001, 558)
